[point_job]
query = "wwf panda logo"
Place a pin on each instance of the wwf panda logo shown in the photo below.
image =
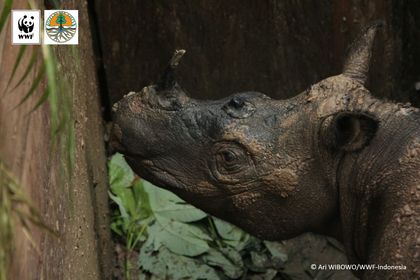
(26, 24)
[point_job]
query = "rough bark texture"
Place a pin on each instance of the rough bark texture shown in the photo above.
(276, 47)
(75, 205)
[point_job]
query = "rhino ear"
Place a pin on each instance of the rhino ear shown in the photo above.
(358, 58)
(349, 132)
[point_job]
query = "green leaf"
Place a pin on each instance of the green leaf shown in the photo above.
(180, 238)
(164, 264)
(41, 100)
(277, 250)
(228, 259)
(5, 13)
(178, 245)
(127, 199)
(121, 178)
(259, 260)
(232, 235)
(22, 49)
(120, 204)
(171, 227)
(116, 226)
(120, 173)
(28, 67)
(55, 87)
(40, 76)
(168, 205)
(143, 210)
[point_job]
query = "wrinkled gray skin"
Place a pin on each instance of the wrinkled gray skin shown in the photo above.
(331, 160)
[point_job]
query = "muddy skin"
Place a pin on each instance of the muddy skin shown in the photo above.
(333, 159)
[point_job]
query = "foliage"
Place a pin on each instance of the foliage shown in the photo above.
(55, 91)
(178, 241)
(5, 13)
(15, 207)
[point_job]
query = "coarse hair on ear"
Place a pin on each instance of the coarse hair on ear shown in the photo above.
(348, 131)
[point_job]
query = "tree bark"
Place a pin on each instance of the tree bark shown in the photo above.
(73, 204)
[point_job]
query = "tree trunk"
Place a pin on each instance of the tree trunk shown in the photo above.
(74, 204)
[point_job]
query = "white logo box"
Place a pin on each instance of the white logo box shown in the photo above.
(61, 27)
(26, 27)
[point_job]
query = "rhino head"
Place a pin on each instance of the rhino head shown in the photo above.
(332, 160)
(268, 166)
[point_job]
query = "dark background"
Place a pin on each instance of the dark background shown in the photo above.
(276, 47)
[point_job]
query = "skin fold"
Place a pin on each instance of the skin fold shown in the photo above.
(332, 160)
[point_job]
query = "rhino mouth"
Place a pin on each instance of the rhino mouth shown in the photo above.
(147, 170)
(116, 143)
(115, 139)
(164, 178)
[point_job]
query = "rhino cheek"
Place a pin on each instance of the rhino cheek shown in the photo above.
(245, 200)
(256, 214)
(280, 182)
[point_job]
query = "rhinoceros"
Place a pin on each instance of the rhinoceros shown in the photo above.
(333, 160)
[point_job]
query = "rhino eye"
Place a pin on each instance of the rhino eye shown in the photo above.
(230, 162)
(229, 156)
(239, 107)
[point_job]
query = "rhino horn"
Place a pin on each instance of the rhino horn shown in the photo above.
(358, 58)
(167, 79)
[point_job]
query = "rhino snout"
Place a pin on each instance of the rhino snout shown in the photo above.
(115, 139)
